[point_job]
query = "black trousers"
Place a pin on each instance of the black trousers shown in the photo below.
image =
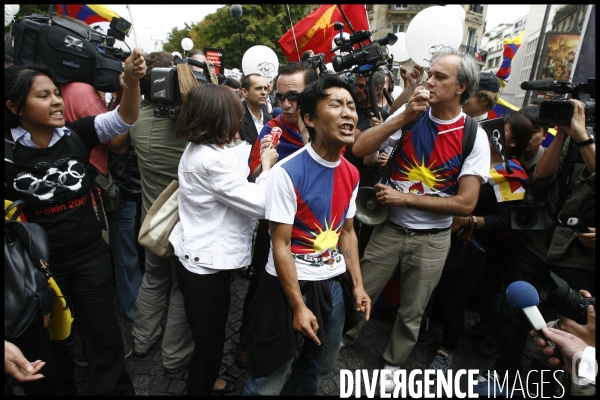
(59, 378)
(260, 257)
(206, 299)
(450, 299)
(89, 288)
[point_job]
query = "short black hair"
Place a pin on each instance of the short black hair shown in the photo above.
(246, 81)
(533, 115)
(522, 130)
(315, 92)
(310, 75)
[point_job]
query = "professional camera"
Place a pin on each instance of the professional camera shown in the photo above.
(317, 62)
(560, 112)
(164, 86)
(531, 216)
(366, 58)
(557, 294)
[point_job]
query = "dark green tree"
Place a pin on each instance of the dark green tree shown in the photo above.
(260, 25)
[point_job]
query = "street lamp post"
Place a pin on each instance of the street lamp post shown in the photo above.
(236, 12)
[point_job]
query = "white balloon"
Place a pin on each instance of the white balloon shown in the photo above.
(15, 8)
(458, 9)
(398, 50)
(261, 60)
(345, 35)
(8, 14)
(329, 67)
(429, 31)
(187, 44)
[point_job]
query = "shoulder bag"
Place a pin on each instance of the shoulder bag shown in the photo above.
(30, 290)
(160, 221)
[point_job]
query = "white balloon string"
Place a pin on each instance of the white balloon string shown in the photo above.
(293, 33)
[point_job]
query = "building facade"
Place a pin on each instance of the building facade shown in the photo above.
(395, 18)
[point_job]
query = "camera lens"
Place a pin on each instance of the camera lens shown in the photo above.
(525, 219)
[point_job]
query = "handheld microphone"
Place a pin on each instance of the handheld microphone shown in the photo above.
(522, 295)
(276, 112)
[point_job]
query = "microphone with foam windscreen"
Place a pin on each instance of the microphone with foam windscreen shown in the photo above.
(276, 112)
(522, 295)
(544, 84)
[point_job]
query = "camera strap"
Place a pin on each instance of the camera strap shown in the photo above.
(564, 190)
(386, 171)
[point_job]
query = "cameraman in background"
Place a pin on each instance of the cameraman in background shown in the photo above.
(558, 249)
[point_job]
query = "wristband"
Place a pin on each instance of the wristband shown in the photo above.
(474, 221)
(133, 87)
(585, 142)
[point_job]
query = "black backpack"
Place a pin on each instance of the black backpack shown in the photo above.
(73, 52)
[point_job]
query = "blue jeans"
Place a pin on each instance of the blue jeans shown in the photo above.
(123, 245)
(307, 375)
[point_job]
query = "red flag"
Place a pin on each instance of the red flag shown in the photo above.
(315, 32)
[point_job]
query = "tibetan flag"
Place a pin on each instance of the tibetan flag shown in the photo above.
(549, 137)
(502, 107)
(315, 32)
(97, 16)
(511, 45)
(509, 187)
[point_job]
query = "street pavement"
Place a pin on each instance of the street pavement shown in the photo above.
(149, 377)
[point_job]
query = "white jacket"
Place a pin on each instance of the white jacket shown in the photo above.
(218, 209)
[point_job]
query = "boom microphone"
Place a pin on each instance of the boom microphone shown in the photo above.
(544, 85)
(522, 295)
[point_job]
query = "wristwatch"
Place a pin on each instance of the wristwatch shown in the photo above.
(585, 142)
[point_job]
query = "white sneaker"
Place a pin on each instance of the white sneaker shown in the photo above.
(389, 383)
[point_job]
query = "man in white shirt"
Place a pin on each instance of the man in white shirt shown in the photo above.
(433, 184)
(254, 93)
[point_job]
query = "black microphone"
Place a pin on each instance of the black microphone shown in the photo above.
(195, 63)
(545, 85)
(229, 81)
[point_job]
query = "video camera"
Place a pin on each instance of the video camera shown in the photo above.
(560, 112)
(317, 62)
(164, 85)
(366, 58)
(530, 217)
(558, 295)
(73, 52)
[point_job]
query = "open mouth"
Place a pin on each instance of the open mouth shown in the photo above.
(347, 129)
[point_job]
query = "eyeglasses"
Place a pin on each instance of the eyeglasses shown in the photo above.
(289, 96)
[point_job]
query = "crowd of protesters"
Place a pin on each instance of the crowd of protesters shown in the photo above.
(276, 193)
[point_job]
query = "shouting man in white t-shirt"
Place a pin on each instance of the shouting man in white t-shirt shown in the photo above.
(301, 300)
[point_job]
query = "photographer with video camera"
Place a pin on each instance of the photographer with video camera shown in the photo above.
(50, 173)
(158, 152)
(568, 185)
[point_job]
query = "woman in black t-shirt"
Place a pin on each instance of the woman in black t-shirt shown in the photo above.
(50, 172)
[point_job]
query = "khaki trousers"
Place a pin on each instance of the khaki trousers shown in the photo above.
(422, 257)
